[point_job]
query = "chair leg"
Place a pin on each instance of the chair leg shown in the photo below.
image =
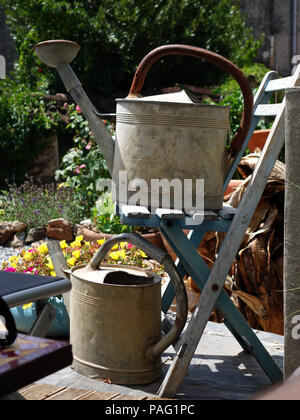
(45, 316)
(236, 323)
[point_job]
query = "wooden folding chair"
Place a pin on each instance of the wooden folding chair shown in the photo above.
(235, 223)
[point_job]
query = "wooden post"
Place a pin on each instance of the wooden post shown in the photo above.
(292, 234)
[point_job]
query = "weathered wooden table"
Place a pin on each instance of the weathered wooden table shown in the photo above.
(30, 359)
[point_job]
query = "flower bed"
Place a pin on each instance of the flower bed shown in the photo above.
(38, 261)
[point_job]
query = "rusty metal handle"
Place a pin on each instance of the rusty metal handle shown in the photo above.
(165, 259)
(220, 61)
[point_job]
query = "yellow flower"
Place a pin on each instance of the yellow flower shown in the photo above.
(13, 259)
(87, 243)
(117, 255)
(115, 247)
(71, 261)
(77, 242)
(142, 254)
(63, 244)
(53, 274)
(50, 264)
(76, 254)
(62, 185)
(123, 244)
(27, 256)
(27, 305)
(100, 241)
(43, 249)
(114, 255)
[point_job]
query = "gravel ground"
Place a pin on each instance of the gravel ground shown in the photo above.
(6, 252)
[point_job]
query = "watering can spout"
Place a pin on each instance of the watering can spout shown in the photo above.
(59, 54)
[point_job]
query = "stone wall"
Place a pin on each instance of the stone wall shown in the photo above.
(7, 46)
(274, 18)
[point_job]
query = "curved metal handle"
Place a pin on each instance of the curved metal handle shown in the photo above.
(214, 58)
(165, 259)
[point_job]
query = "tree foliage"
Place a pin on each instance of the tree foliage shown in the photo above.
(116, 35)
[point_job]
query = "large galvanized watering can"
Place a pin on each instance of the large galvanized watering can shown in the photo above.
(164, 137)
(115, 314)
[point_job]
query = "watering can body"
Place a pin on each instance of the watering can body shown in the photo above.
(172, 139)
(115, 316)
(160, 138)
(112, 326)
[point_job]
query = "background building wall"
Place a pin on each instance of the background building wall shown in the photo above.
(274, 18)
(7, 46)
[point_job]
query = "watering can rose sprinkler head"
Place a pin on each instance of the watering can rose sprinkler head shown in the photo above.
(55, 53)
(59, 53)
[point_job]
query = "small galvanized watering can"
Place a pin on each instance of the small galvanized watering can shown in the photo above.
(115, 314)
(164, 137)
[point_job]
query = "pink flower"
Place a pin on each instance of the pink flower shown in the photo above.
(89, 145)
(10, 269)
(130, 246)
(77, 170)
(78, 109)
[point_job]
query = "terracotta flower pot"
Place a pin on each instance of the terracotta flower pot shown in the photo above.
(258, 139)
(232, 186)
(168, 247)
(91, 236)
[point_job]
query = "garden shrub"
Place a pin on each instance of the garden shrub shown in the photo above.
(104, 217)
(83, 165)
(231, 95)
(115, 36)
(25, 122)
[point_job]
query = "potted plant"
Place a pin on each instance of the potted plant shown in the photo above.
(258, 140)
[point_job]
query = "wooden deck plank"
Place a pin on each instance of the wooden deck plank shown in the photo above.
(40, 391)
(97, 395)
(52, 392)
(26, 388)
(130, 397)
(69, 394)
